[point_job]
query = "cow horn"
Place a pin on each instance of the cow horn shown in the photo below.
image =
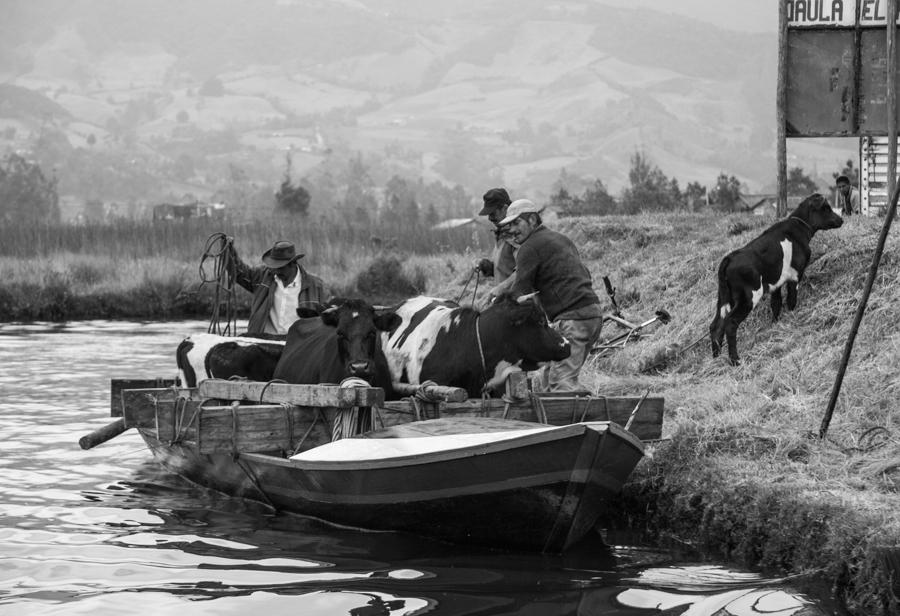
(330, 309)
(524, 298)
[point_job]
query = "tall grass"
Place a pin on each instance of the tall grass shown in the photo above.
(138, 269)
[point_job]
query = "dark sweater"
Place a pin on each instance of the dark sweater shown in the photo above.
(261, 281)
(548, 262)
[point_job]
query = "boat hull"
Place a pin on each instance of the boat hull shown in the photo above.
(541, 492)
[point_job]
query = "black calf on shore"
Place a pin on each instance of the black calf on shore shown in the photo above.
(777, 257)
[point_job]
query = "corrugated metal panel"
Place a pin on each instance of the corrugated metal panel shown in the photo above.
(874, 175)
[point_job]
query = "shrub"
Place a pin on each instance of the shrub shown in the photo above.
(384, 280)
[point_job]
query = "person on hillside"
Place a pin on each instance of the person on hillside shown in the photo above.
(503, 260)
(279, 286)
(548, 262)
(847, 200)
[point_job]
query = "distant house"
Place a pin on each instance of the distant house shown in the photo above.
(758, 204)
(764, 204)
(172, 212)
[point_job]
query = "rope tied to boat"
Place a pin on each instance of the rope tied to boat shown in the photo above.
(266, 386)
(354, 420)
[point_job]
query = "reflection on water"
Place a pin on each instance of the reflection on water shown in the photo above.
(107, 531)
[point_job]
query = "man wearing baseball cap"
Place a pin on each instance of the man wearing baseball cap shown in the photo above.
(548, 262)
(503, 260)
(279, 286)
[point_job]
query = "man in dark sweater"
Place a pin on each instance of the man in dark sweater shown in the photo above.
(279, 286)
(548, 262)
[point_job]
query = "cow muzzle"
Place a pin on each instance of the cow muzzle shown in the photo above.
(362, 369)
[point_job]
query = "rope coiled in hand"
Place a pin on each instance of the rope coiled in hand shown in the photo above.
(220, 250)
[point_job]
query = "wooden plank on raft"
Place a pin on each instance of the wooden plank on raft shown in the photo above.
(163, 412)
(299, 395)
(262, 428)
(558, 409)
(117, 385)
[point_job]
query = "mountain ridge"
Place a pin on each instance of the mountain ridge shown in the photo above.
(525, 83)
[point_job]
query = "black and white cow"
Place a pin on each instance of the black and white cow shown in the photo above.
(461, 347)
(204, 356)
(343, 343)
(778, 257)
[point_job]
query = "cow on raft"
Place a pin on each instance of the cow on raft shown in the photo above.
(209, 356)
(778, 257)
(461, 347)
(342, 342)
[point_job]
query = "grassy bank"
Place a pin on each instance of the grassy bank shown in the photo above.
(739, 475)
(143, 270)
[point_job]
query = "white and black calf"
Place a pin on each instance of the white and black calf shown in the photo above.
(778, 257)
(461, 347)
(204, 356)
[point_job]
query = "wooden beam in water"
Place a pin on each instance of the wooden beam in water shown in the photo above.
(299, 395)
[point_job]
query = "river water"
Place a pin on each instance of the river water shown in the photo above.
(108, 531)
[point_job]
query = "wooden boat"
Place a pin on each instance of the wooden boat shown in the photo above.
(532, 474)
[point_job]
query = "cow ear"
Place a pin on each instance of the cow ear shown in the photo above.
(388, 321)
(307, 311)
(330, 316)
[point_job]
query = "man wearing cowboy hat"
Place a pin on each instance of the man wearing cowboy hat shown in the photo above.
(279, 286)
(548, 262)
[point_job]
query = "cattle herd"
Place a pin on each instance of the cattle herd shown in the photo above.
(422, 339)
(430, 339)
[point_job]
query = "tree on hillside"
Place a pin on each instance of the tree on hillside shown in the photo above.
(595, 201)
(26, 195)
(850, 171)
(649, 189)
(289, 198)
(799, 184)
(695, 196)
(727, 193)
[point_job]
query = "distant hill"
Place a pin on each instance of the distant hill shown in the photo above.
(524, 86)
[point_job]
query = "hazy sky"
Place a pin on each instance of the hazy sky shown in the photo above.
(744, 15)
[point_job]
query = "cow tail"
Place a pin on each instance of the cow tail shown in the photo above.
(725, 303)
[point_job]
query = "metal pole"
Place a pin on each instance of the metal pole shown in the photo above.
(781, 114)
(891, 99)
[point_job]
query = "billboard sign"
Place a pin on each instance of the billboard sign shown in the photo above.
(836, 13)
(836, 68)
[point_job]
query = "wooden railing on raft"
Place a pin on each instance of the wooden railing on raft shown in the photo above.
(248, 416)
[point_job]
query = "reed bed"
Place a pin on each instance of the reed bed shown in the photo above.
(138, 269)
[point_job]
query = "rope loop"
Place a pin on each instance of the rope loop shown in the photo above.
(219, 249)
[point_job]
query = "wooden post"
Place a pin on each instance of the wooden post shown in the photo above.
(781, 112)
(891, 98)
(860, 310)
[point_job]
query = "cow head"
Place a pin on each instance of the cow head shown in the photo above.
(524, 331)
(356, 326)
(817, 213)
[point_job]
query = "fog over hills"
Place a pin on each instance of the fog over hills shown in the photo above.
(469, 92)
